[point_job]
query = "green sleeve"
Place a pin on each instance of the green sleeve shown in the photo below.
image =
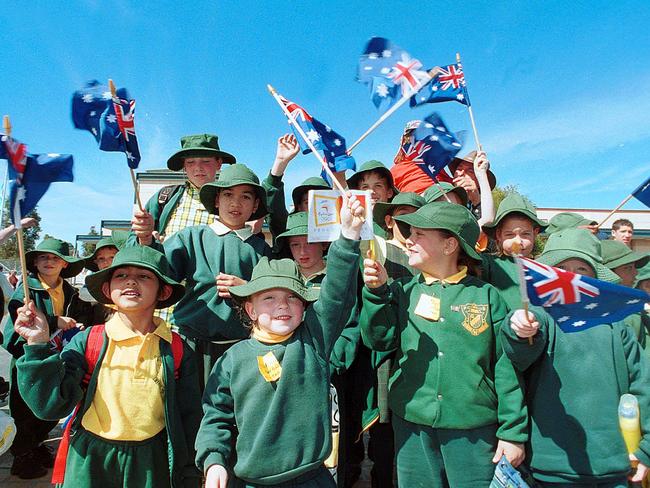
(12, 341)
(346, 346)
(332, 310)
(521, 353)
(380, 315)
(512, 411)
(215, 441)
(639, 375)
(176, 252)
(50, 383)
(275, 203)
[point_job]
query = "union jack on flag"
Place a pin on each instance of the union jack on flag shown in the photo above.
(17, 155)
(117, 125)
(448, 85)
(579, 302)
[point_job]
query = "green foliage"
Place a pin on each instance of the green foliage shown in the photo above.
(9, 248)
(89, 247)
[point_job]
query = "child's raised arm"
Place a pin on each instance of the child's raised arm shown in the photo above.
(481, 166)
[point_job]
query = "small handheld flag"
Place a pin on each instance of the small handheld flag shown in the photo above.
(579, 302)
(448, 85)
(642, 193)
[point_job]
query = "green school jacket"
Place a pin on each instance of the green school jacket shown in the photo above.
(270, 432)
(501, 272)
(449, 373)
(640, 325)
(574, 382)
(51, 386)
(73, 306)
(197, 255)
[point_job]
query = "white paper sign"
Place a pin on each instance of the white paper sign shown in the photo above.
(324, 215)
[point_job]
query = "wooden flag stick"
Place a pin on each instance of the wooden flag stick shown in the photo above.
(627, 199)
(432, 73)
(19, 230)
(111, 87)
(471, 117)
(516, 248)
(293, 122)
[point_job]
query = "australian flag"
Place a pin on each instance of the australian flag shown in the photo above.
(449, 85)
(110, 120)
(579, 302)
(431, 145)
(31, 175)
(324, 138)
(389, 72)
(642, 193)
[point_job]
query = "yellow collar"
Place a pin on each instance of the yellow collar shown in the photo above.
(306, 279)
(269, 337)
(57, 287)
(452, 280)
(117, 330)
(222, 229)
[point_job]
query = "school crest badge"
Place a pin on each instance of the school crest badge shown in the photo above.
(475, 318)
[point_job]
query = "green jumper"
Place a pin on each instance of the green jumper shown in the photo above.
(275, 432)
(52, 386)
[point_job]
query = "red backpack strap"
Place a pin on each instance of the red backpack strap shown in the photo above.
(94, 343)
(177, 353)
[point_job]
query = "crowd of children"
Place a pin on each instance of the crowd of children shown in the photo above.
(202, 353)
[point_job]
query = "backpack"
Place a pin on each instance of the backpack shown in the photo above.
(165, 194)
(94, 344)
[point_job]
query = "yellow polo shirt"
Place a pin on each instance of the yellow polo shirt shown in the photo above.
(452, 280)
(129, 401)
(56, 295)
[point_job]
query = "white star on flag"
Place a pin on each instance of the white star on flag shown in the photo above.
(373, 56)
(93, 113)
(633, 301)
(129, 156)
(563, 319)
(591, 306)
(434, 88)
(387, 53)
(93, 130)
(312, 135)
(382, 90)
(428, 125)
(87, 98)
(604, 314)
(460, 96)
(111, 119)
(579, 323)
(337, 142)
(385, 71)
(434, 138)
(107, 95)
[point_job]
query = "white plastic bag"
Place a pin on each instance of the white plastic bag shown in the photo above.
(7, 432)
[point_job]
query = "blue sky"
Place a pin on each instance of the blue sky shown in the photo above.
(560, 90)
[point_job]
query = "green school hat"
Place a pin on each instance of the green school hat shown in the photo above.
(117, 239)
(313, 183)
(234, 175)
(617, 254)
(409, 198)
(434, 192)
(567, 220)
(140, 257)
(198, 145)
(514, 203)
(579, 244)
(276, 273)
(60, 249)
(469, 158)
(447, 216)
(296, 226)
(372, 165)
(642, 275)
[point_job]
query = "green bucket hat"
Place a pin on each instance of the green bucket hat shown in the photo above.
(277, 273)
(434, 192)
(117, 239)
(372, 165)
(514, 203)
(567, 220)
(141, 257)
(447, 216)
(469, 158)
(617, 254)
(313, 183)
(198, 145)
(234, 175)
(60, 249)
(296, 226)
(580, 244)
(642, 275)
(409, 198)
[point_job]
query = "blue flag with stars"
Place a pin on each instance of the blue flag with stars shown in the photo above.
(449, 85)
(31, 176)
(389, 72)
(642, 193)
(117, 127)
(324, 139)
(579, 302)
(89, 103)
(431, 145)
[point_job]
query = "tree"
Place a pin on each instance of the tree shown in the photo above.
(89, 247)
(9, 248)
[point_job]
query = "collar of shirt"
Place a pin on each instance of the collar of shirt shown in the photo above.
(314, 275)
(192, 191)
(451, 280)
(58, 288)
(222, 229)
(269, 337)
(117, 330)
